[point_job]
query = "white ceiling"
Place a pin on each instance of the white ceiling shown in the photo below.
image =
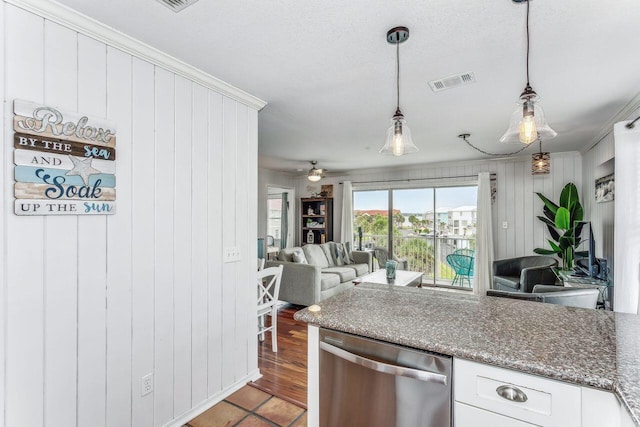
(328, 74)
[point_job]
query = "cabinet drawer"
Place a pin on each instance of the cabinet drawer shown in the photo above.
(542, 402)
(469, 416)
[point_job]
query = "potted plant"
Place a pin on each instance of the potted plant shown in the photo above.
(560, 220)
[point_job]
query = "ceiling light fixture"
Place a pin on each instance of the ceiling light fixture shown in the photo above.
(314, 174)
(540, 162)
(527, 121)
(398, 140)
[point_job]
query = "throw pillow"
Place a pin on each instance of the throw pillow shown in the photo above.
(299, 258)
(338, 256)
(348, 254)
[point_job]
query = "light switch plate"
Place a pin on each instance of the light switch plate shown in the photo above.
(231, 254)
(505, 224)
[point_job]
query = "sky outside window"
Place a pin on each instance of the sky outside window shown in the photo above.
(416, 200)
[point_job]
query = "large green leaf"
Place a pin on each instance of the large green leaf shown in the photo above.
(563, 218)
(569, 196)
(565, 242)
(548, 203)
(554, 233)
(547, 212)
(553, 245)
(547, 221)
(577, 212)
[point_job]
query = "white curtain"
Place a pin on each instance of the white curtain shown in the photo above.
(346, 229)
(483, 262)
(627, 220)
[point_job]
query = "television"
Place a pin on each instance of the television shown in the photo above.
(585, 261)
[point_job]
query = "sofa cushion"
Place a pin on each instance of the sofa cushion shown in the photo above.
(345, 273)
(286, 254)
(328, 249)
(315, 255)
(328, 281)
(299, 257)
(360, 269)
(512, 282)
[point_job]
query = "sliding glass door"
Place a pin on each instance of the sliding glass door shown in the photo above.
(426, 225)
(370, 218)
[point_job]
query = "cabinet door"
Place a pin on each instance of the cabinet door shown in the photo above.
(625, 418)
(530, 398)
(600, 408)
(470, 416)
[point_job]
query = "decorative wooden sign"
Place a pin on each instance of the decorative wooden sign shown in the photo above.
(65, 162)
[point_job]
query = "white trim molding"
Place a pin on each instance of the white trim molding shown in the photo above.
(212, 400)
(90, 27)
(622, 115)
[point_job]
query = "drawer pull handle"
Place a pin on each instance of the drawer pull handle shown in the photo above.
(512, 393)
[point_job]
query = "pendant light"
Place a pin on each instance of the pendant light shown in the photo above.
(540, 162)
(527, 121)
(398, 140)
(314, 174)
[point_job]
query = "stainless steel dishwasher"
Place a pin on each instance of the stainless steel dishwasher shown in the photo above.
(368, 383)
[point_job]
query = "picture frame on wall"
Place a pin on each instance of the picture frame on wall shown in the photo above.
(605, 189)
(327, 190)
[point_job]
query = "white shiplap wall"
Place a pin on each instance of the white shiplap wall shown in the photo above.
(601, 215)
(516, 201)
(92, 304)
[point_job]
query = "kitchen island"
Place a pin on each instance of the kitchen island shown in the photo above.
(592, 348)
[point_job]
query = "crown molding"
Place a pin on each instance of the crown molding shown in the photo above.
(621, 116)
(90, 27)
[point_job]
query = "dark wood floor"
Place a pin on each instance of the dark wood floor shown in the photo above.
(285, 372)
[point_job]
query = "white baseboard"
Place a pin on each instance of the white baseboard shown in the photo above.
(216, 398)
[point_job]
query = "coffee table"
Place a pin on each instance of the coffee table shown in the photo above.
(403, 278)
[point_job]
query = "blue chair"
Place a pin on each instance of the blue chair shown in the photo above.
(463, 267)
(467, 252)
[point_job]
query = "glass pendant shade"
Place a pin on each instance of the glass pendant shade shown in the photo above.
(398, 140)
(528, 124)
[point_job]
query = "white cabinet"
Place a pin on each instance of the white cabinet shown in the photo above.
(527, 398)
(465, 415)
(625, 418)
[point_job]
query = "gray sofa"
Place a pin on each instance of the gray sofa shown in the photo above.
(324, 273)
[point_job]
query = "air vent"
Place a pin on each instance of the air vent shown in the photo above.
(452, 81)
(177, 5)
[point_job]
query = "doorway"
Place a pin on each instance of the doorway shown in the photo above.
(280, 220)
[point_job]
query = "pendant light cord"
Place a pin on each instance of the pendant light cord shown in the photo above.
(527, 42)
(465, 136)
(398, 75)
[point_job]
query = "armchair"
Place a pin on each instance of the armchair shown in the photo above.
(552, 294)
(523, 273)
(382, 255)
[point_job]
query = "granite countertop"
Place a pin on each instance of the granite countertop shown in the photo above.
(594, 348)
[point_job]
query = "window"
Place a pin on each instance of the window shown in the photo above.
(426, 225)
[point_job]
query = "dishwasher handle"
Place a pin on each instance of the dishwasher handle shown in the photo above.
(386, 368)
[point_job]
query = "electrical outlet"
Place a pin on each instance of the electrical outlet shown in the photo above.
(231, 254)
(147, 384)
(505, 224)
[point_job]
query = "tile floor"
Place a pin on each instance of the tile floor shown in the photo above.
(250, 407)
